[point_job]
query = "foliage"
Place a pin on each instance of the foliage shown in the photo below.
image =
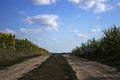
(111, 41)
(7, 41)
(106, 49)
(12, 49)
(27, 46)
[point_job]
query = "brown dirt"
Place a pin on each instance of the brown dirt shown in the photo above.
(16, 71)
(91, 70)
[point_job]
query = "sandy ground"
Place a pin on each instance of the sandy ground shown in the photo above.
(16, 71)
(91, 70)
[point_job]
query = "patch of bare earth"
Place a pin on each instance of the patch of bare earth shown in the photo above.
(16, 71)
(91, 70)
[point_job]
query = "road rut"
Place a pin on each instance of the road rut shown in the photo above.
(16, 71)
(91, 70)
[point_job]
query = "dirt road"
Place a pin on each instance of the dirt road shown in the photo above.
(18, 70)
(85, 69)
(90, 70)
(55, 68)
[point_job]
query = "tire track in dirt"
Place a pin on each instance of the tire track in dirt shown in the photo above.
(18, 70)
(91, 70)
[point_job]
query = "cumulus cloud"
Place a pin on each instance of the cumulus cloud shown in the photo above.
(95, 30)
(102, 7)
(44, 20)
(82, 35)
(29, 31)
(9, 31)
(99, 5)
(87, 4)
(43, 2)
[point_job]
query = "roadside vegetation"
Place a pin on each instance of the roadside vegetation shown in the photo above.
(105, 50)
(14, 50)
(55, 68)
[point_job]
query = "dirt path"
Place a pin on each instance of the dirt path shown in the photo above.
(90, 70)
(55, 68)
(18, 70)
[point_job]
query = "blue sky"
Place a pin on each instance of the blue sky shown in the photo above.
(58, 25)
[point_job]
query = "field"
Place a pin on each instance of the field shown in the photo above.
(13, 50)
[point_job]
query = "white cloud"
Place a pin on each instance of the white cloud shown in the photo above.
(44, 20)
(102, 7)
(96, 30)
(75, 1)
(22, 12)
(74, 31)
(87, 4)
(98, 5)
(29, 31)
(43, 2)
(82, 35)
(119, 4)
(79, 33)
(9, 31)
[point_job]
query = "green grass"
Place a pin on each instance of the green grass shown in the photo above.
(113, 61)
(55, 68)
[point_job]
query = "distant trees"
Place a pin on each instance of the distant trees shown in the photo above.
(106, 48)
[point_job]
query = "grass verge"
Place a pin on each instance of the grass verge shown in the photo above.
(9, 63)
(55, 68)
(113, 61)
